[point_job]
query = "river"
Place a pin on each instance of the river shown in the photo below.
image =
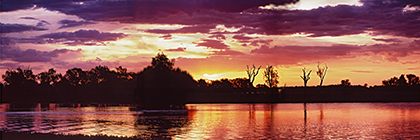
(222, 121)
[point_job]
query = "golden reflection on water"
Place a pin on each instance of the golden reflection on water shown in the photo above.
(323, 121)
(226, 121)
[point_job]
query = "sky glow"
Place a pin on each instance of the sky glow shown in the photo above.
(365, 41)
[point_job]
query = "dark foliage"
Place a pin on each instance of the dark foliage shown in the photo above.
(402, 81)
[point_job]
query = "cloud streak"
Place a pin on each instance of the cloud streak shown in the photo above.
(81, 37)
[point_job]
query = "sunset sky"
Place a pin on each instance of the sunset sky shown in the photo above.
(365, 41)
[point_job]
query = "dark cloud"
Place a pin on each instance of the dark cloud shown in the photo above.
(11, 5)
(30, 55)
(242, 38)
(193, 29)
(214, 44)
(392, 52)
(387, 40)
(218, 36)
(31, 18)
(376, 17)
(82, 37)
(179, 49)
(12, 28)
(166, 37)
(72, 23)
(257, 42)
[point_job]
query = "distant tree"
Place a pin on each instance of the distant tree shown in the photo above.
(160, 61)
(271, 77)
(18, 77)
(412, 79)
(305, 76)
(345, 83)
(240, 83)
(76, 76)
(390, 82)
(49, 77)
(252, 73)
(202, 83)
(402, 81)
(322, 71)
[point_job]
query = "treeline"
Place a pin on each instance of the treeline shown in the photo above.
(158, 85)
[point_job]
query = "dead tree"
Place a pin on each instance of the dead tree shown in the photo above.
(271, 77)
(252, 73)
(305, 76)
(322, 71)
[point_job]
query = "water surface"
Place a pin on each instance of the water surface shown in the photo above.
(223, 121)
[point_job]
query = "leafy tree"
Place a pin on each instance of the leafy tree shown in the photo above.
(402, 81)
(49, 77)
(271, 77)
(322, 71)
(390, 82)
(160, 61)
(412, 79)
(345, 82)
(18, 77)
(76, 76)
(305, 76)
(252, 73)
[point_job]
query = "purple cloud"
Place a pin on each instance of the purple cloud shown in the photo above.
(214, 44)
(82, 37)
(30, 55)
(72, 23)
(12, 28)
(193, 29)
(387, 40)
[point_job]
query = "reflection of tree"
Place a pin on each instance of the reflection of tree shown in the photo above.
(271, 77)
(164, 125)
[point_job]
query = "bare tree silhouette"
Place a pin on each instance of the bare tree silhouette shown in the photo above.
(271, 76)
(252, 73)
(322, 71)
(305, 76)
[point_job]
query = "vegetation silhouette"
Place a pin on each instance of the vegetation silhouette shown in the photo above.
(321, 72)
(252, 73)
(162, 86)
(305, 76)
(271, 77)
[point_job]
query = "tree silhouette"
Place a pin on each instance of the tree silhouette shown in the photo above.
(322, 71)
(49, 77)
(402, 81)
(345, 83)
(76, 76)
(412, 79)
(252, 73)
(271, 77)
(305, 76)
(160, 61)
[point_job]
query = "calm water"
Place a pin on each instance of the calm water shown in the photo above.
(224, 121)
